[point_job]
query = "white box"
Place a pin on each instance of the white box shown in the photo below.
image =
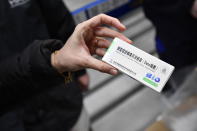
(138, 64)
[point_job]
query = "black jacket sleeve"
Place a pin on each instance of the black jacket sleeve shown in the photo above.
(28, 72)
(58, 19)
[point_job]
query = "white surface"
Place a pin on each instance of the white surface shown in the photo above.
(97, 77)
(132, 115)
(109, 93)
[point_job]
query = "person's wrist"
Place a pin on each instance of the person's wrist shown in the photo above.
(55, 62)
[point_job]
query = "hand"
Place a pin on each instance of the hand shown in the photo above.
(85, 42)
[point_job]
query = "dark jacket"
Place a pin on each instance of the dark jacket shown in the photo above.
(33, 96)
(176, 30)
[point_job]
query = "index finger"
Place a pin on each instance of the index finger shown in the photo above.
(107, 20)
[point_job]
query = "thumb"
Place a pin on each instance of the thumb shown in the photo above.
(101, 66)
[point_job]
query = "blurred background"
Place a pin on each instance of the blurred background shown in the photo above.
(119, 103)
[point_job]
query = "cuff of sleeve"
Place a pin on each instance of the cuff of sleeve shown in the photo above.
(40, 62)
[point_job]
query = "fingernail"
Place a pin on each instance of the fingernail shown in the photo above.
(113, 71)
(130, 41)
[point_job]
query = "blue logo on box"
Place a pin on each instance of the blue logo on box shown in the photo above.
(153, 77)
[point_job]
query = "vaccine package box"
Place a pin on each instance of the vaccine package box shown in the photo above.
(138, 64)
